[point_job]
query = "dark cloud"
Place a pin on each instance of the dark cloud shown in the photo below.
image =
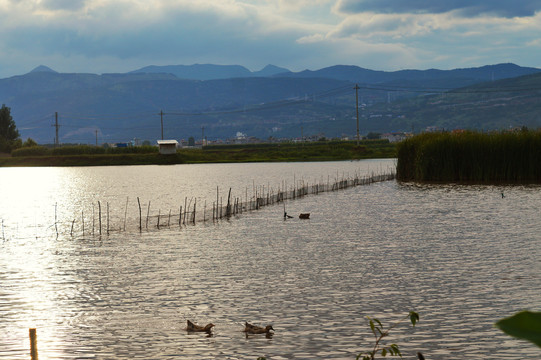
(503, 8)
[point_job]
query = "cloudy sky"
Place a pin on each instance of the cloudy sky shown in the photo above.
(100, 36)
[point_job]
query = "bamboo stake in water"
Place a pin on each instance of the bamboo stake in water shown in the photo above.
(228, 210)
(185, 210)
(194, 204)
(126, 213)
(180, 217)
(148, 213)
(140, 219)
(93, 220)
(33, 344)
(107, 218)
(83, 221)
(99, 215)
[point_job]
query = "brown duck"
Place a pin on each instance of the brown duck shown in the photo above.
(198, 328)
(253, 329)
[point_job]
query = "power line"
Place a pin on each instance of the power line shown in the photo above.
(265, 106)
(449, 90)
(124, 116)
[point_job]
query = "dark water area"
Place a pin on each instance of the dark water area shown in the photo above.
(461, 256)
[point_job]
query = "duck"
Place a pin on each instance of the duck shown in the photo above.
(198, 328)
(253, 329)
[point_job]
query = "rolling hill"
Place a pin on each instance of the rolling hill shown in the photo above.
(502, 104)
(273, 102)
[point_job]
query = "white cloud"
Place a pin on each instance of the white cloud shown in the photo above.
(120, 35)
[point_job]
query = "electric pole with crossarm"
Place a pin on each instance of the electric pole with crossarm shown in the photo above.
(357, 105)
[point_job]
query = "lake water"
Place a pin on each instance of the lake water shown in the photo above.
(463, 257)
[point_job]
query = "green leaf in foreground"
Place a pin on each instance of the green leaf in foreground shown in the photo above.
(414, 317)
(524, 325)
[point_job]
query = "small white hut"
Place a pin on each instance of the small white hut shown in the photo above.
(167, 147)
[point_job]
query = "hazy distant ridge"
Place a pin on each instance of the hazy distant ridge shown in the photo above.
(359, 74)
(210, 71)
(352, 73)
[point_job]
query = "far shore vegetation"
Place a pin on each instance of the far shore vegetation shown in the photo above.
(506, 157)
(87, 155)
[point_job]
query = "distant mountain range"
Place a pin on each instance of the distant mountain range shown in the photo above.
(210, 71)
(221, 100)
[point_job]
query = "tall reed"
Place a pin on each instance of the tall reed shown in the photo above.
(496, 157)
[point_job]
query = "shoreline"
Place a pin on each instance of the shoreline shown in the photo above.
(208, 155)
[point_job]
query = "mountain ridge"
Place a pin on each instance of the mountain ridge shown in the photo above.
(351, 73)
(121, 106)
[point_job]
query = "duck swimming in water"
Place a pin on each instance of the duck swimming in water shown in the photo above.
(253, 329)
(198, 328)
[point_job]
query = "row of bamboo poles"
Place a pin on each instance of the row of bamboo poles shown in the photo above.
(101, 221)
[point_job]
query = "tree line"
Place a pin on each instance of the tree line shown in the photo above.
(10, 139)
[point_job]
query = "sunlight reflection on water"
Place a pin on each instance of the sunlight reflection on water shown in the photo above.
(461, 256)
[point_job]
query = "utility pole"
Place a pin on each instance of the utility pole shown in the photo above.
(161, 118)
(357, 105)
(96, 137)
(56, 142)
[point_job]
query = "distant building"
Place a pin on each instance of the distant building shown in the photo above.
(394, 137)
(432, 129)
(167, 147)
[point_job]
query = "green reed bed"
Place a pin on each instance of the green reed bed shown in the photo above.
(503, 157)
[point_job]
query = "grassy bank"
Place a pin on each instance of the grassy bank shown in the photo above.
(316, 151)
(95, 156)
(92, 160)
(471, 157)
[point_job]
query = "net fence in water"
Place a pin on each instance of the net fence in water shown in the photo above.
(102, 221)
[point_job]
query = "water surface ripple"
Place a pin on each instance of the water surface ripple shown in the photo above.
(461, 256)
